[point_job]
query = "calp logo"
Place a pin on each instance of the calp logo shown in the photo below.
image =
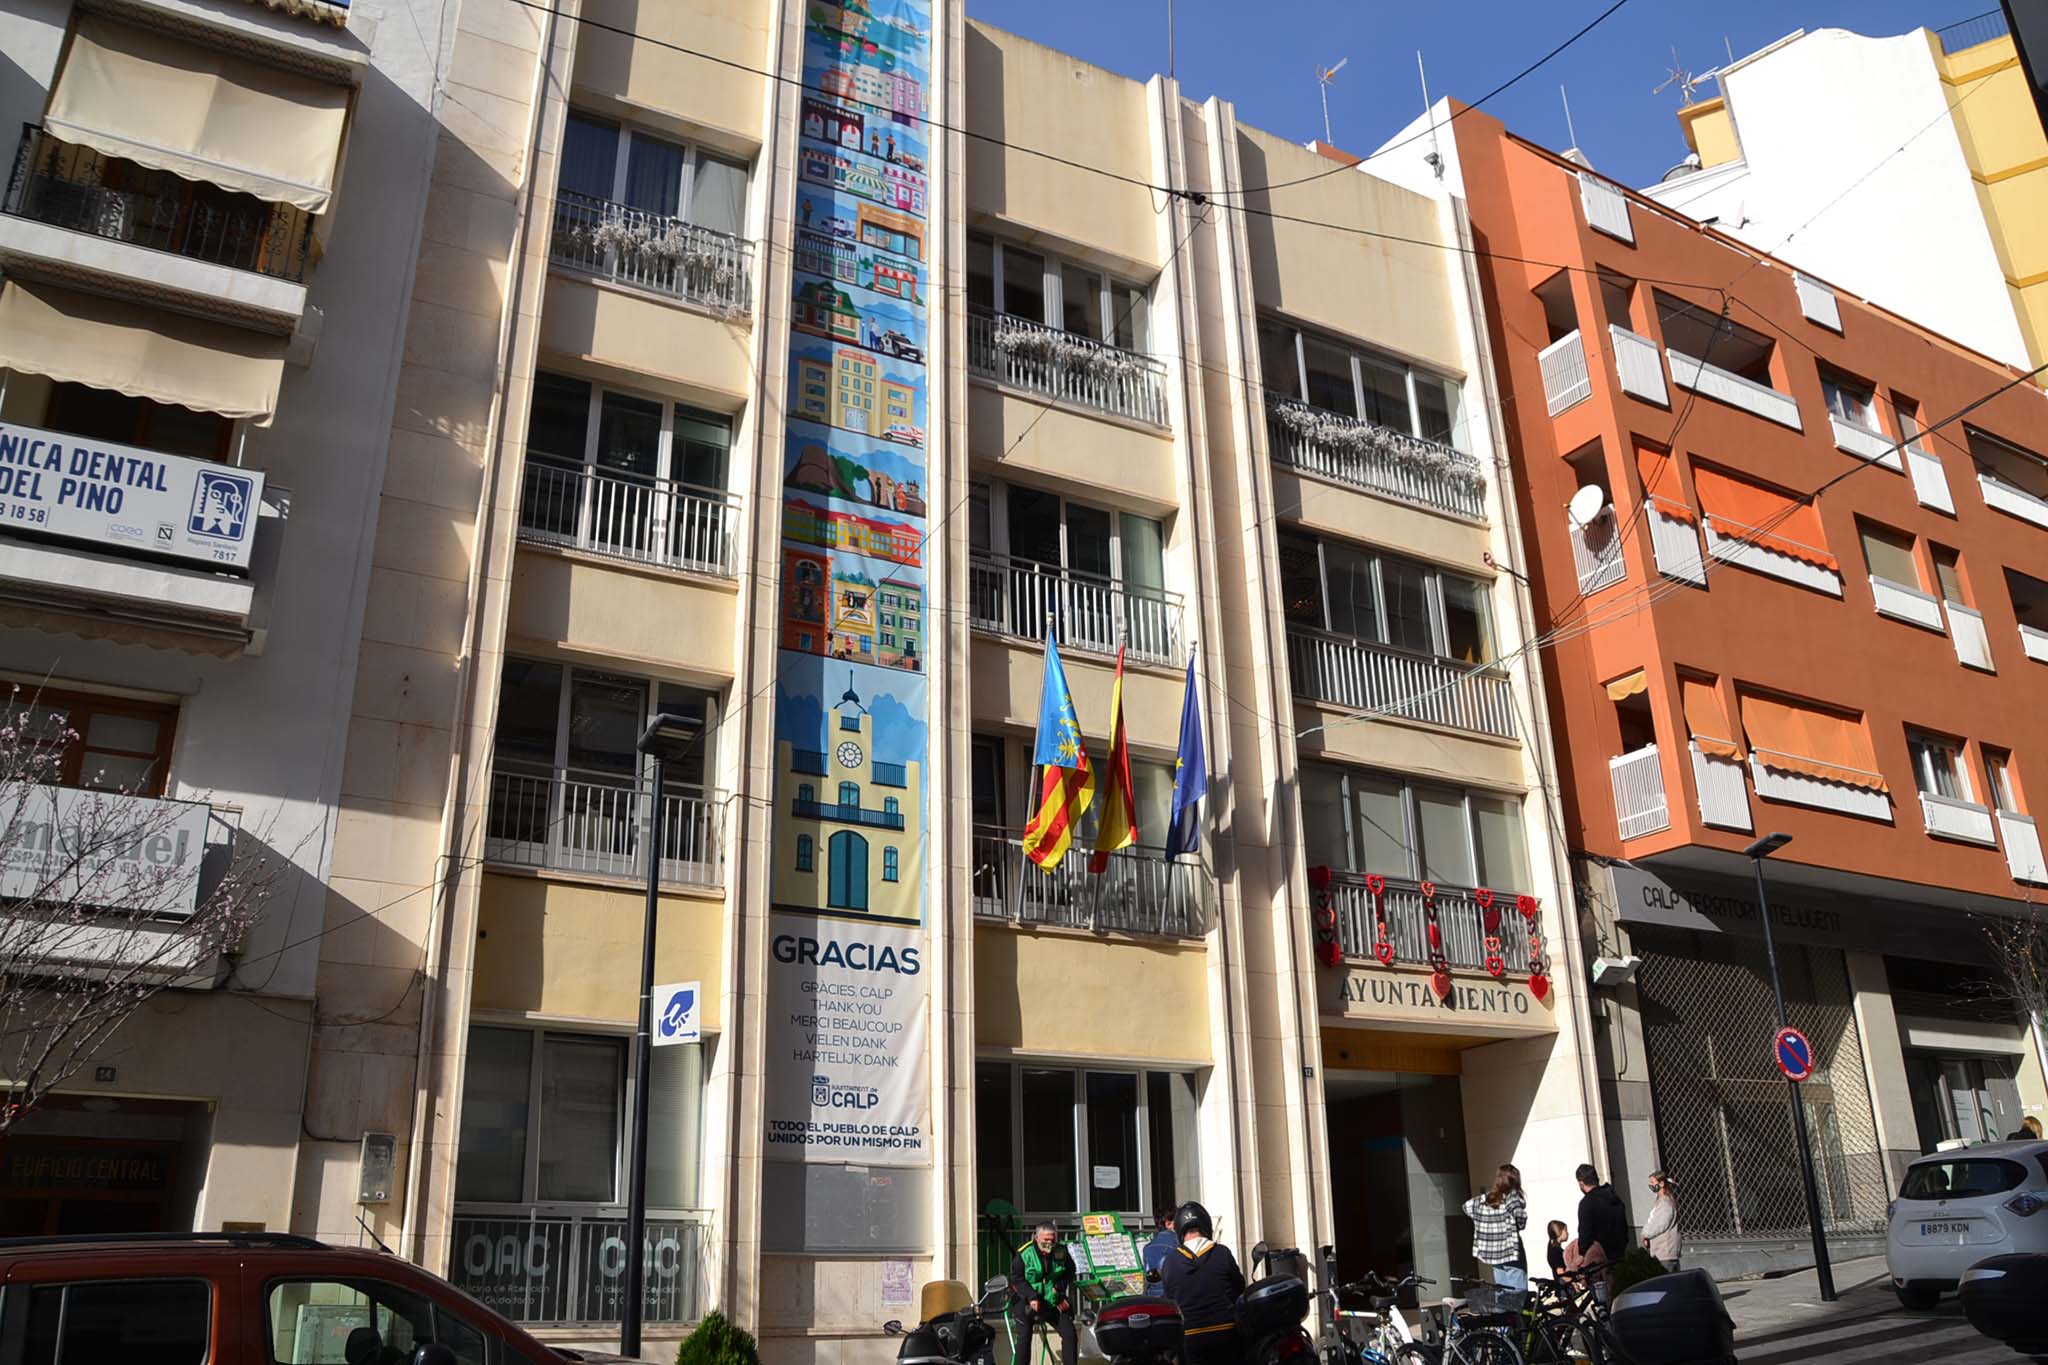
(825, 1095)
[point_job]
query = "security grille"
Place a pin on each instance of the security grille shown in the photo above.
(1723, 1124)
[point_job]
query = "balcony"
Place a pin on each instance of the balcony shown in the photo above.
(2011, 499)
(1904, 603)
(1767, 552)
(1462, 922)
(1865, 444)
(592, 824)
(656, 523)
(1014, 597)
(1930, 481)
(1726, 386)
(1639, 366)
(659, 253)
(562, 1265)
(1138, 893)
(1724, 796)
(1675, 541)
(1596, 549)
(1362, 675)
(1389, 463)
(1640, 805)
(2022, 842)
(73, 210)
(1066, 367)
(1964, 821)
(1566, 381)
(2034, 641)
(846, 813)
(1802, 789)
(1966, 631)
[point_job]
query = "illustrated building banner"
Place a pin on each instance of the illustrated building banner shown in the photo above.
(846, 1085)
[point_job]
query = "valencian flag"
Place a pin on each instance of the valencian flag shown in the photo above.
(1190, 777)
(1068, 784)
(1116, 825)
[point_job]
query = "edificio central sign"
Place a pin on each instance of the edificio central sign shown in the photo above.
(126, 498)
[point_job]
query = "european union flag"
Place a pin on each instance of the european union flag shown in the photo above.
(1190, 777)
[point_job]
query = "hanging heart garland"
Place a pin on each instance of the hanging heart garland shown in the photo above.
(1539, 985)
(1496, 959)
(1440, 984)
(1429, 891)
(1440, 966)
(1329, 952)
(1527, 905)
(1484, 895)
(1492, 921)
(1383, 947)
(1376, 884)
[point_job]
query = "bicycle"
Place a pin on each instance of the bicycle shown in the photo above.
(1563, 1322)
(1478, 1328)
(1390, 1341)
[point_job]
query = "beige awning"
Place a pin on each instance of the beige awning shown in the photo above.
(1621, 689)
(140, 351)
(199, 112)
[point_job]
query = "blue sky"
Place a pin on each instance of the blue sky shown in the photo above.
(1263, 58)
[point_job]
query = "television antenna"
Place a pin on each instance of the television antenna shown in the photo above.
(1680, 75)
(1325, 75)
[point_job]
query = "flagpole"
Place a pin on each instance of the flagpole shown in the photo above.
(1030, 800)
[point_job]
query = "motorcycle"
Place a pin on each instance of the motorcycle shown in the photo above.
(1140, 1330)
(1270, 1312)
(959, 1336)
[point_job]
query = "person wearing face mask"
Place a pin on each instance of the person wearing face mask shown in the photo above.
(1042, 1278)
(1660, 1229)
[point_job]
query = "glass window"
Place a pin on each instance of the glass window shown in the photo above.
(1170, 1132)
(579, 1117)
(529, 712)
(1330, 386)
(888, 864)
(1948, 572)
(559, 426)
(108, 742)
(1144, 550)
(1442, 420)
(1152, 793)
(847, 871)
(352, 1321)
(1047, 1132)
(1961, 1178)
(1130, 321)
(1468, 632)
(1386, 395)
(993, 1121)
(1034, 524)
(1351, 592)
(981, 273)
(654, 175)
(1407, 595)
(166, 1321)
(1497, 826)
(1938, 766)
(1113, 1159)
(1089, 532)
(1279, 365)
(1322, 817)
(1081, 301)
(1301, 580)
(1849, 399)
(718, 198)
(1446, 842)
(1382, 811)
(490, 1164)
(590, 157)
(849, 793)
(629, 435)
(606, 713)
(1998, 766)
(675, 1125)
(700, 448)
(1023, 284)
(806, 851)
(1890, 555)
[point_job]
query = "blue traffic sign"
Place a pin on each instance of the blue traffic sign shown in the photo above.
(1794, 1054)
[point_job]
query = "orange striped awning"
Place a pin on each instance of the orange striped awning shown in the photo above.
(1798, 738)
(1708, 719)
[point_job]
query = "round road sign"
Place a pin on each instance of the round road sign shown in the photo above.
(1794, 1054)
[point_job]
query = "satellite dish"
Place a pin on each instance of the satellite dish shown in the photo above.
(1587, 504)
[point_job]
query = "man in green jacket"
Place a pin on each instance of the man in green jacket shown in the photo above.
(1042, 1278)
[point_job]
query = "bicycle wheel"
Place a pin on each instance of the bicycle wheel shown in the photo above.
(1564, 1341)
(1417, 1353)
(1482, 1348)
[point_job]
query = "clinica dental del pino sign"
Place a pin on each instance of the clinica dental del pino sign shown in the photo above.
(125, 498)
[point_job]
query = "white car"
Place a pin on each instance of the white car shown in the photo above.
(1956, 1208)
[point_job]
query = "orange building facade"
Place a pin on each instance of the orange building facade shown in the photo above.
(1783, 592)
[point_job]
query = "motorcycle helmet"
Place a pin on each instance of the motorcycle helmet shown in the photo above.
(1192, 1217)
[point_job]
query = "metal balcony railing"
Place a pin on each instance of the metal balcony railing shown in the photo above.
(1378, 459)
(1139, 892)
(1013, 597)
(564, 1264)
(1066, 366)
(654, 251)
(846, 813)
(561, 821)
(1363, 675)
(1566, 380)
(1596, 549)
(1641, 805)
(76, 188)
(649, 521)
(1463, 923)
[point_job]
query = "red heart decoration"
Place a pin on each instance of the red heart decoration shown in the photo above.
(1375, 883)
(1429, 891)
(1318, 877)
(1497, 966)
(1328, 953)
(1492, 918)
(1527, 905)
(1384, 951)
(1484, 895)
(1440, 983)
(1326, 917)
(1539, 985)
(1436, 939)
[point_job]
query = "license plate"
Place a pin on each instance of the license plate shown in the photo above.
(1953, 1229)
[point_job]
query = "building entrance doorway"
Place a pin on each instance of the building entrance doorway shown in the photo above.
(90, 1164)
(1963, 1096)
(1399, 1174)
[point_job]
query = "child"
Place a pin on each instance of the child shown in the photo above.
(1555, 1252)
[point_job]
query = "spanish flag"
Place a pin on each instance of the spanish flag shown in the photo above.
(1116, 826)
(1068, 783)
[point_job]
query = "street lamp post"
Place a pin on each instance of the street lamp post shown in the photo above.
(666, 736)
(1756, 853)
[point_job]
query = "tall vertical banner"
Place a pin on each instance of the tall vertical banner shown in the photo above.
(847, 1000)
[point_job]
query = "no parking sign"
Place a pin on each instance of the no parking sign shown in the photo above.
(1794, 1054)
